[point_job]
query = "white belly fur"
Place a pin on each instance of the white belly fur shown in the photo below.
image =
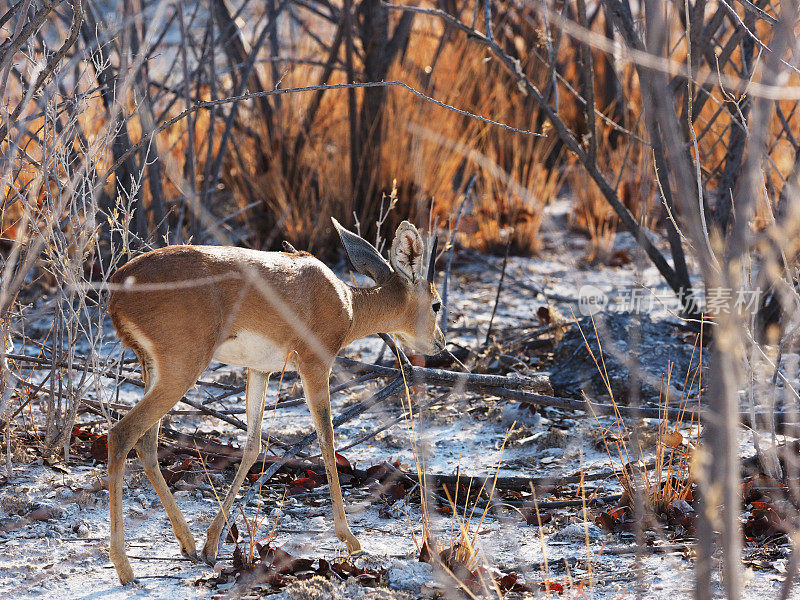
(248, 349)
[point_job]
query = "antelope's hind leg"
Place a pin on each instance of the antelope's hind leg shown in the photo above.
(162, 394)
(255, 397)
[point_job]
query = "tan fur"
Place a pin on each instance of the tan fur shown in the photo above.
(178, 307)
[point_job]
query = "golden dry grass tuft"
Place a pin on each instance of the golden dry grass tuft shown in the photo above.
(668, 480)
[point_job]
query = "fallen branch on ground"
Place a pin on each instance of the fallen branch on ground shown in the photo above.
(472, 382)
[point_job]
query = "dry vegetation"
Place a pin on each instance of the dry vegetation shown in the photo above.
(129, 127)
(277, 166)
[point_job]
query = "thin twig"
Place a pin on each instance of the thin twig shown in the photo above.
(499, 288)
(450, 248)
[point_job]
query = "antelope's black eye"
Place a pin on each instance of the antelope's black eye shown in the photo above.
(436, 306)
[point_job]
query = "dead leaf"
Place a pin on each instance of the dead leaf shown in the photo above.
(175, 473)
(417, 360)
(672, 439)
(552, 586)
(544, 316)
(99, 450)
(619, 258)
(343, 464)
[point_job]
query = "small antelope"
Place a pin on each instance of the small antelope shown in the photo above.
(180, 307)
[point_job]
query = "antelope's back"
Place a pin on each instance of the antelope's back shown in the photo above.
(211, 292)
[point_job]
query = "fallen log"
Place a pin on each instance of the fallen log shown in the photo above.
(473, 382)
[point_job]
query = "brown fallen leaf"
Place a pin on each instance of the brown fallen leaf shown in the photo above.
(672, 439)
(417, 360)
(552, 586)
(343, 464)
(99, 450)
(544, 316)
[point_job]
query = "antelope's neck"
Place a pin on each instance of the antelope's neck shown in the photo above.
(377, 310)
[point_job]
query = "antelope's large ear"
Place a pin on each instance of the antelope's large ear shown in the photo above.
(363, 256)
(408, 252)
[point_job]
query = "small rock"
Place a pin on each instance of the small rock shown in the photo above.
(683, 506)
(408, 575)
(522, 414)
(554, 452)
(15, 505)
(81, 527)
(555, 438)
(44, 511)
(576, 532)
(656, 346)
(432, 589)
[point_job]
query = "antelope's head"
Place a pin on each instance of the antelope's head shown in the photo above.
(412, 302)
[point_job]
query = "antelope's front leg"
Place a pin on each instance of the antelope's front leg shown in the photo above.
(315, 384)
(255, 395)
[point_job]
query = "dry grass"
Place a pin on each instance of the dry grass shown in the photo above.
(429, 152)
(669, 480)
(632, 169)
(267, 193)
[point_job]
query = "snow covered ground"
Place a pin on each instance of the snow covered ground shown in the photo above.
(66, 555)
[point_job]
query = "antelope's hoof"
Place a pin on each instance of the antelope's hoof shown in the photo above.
(353, 547)
(126, 581)
(208, 558)
(192, 556)
(124, 572)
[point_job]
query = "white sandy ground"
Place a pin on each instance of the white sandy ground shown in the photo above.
(66, 557)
